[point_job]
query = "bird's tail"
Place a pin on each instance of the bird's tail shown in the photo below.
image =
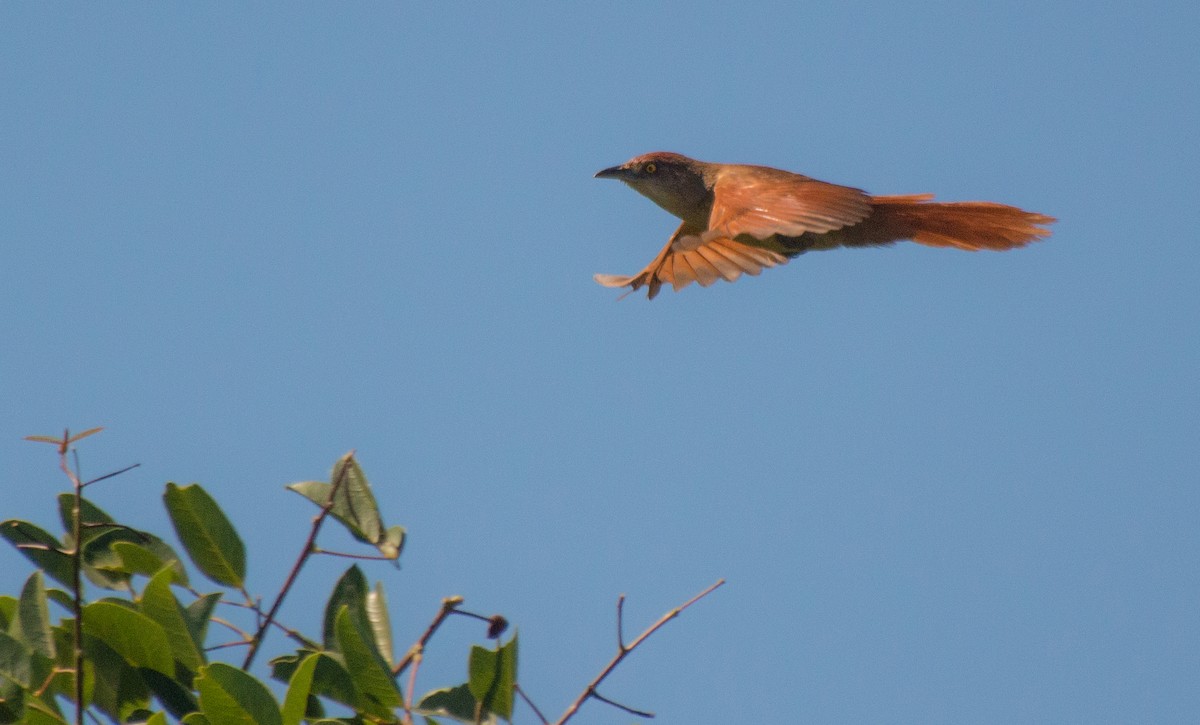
(970, 225)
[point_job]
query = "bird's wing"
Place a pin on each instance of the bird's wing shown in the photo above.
(761, 202)
(692, 256)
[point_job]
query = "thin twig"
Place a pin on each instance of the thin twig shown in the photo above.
(246, 637)
(107, 476)
(227, 645)
(368, 557)
(303, 557)
(76, 572)
(529, 702)
(623, 651)
(412, 686)
(621, 623)
(449, 604)
(64, 446)
(259, 615)
(619, 706)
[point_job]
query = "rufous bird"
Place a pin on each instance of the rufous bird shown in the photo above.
(739, 219)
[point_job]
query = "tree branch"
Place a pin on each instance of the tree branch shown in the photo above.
(623, 652)
(449, 604)
(303, 557)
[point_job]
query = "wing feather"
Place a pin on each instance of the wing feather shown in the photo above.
(761, 202)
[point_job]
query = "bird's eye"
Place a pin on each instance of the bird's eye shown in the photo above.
(650, 168)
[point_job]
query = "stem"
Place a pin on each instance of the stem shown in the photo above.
(76, 575)
(449, 604)
(623, 652)
(309, 545)
(529, 702)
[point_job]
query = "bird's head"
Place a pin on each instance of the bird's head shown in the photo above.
(676, 183)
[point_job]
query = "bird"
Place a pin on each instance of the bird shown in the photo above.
(740, 219)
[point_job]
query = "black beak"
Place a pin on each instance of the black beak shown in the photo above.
(613, 172)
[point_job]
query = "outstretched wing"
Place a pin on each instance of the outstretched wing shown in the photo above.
(761, 202)
(692, 255)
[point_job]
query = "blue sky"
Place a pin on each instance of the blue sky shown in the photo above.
(944, 487)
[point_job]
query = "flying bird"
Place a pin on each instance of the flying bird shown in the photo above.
(739, 219)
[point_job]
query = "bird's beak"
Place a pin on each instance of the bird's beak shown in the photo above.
(613, 172)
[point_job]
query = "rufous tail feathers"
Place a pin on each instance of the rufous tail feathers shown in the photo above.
(970, 225)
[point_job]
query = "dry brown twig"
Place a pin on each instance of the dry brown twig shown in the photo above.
(623, 651)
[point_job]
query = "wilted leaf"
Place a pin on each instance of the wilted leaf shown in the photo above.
(85, 434)
(380, 622)
(392, 543)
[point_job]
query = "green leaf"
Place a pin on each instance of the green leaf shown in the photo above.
(195, 718)
(157, 719)
(208, 537)
(330, 680)
(12, 702)
(350, 591)
(63, 682)
(38, 714)
(61, 598)
(49, 557)
(198, 614)
(107, 566)
(381, 623)
(228, 696)
(353, 503)
(8, 611)
(159, 603)
(295, 704)
(171, 693)
(371, 676)
(134, 636)
(492, 677)
(33, 617)
(15, 660)
(453, 702)
(116, 687)
(139, 558)
(91, 514)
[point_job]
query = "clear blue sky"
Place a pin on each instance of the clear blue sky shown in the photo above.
(944, 487)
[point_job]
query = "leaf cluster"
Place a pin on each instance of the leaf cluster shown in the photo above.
(147, 643)
(135, 638)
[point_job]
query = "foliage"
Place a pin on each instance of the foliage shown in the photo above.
(144, 648)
